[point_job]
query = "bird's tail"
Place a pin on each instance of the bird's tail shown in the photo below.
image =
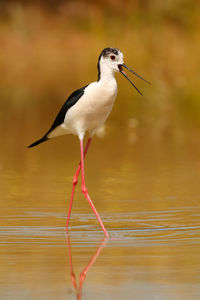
(43, 139)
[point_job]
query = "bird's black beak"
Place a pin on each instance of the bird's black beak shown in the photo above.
(123, 73)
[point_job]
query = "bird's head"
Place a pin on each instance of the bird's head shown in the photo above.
(112, 59)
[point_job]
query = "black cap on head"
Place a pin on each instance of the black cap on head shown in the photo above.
(105, 53)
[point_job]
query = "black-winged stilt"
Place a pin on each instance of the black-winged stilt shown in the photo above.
(86, 110)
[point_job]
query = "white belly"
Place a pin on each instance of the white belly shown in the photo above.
(92, 109)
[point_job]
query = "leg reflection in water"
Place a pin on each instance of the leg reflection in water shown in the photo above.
(78, 287)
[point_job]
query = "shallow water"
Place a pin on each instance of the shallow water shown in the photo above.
(148, 198)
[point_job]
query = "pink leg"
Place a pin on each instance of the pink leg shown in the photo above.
(75, 181)
(72, 275)
(78, 289)
(89, 265)
(85, 192)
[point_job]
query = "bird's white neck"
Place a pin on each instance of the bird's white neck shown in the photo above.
(106, 73)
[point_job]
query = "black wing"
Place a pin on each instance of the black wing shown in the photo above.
(71, 100)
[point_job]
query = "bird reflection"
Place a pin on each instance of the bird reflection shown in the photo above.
(79, 286)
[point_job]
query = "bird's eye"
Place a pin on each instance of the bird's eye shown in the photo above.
(112, 57)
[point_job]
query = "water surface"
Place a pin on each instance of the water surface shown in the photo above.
(148, 198)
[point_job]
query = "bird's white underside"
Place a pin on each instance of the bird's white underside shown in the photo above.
(90, 111)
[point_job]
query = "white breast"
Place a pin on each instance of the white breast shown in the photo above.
(92, 109)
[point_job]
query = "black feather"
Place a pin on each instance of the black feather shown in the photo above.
(43, 139)
(71, 100)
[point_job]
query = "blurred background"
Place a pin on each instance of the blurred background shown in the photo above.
(50, 48)
(143, 175)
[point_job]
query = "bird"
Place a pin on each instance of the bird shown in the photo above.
(86, 110)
